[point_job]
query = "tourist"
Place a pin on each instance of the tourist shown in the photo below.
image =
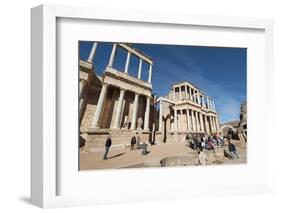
(220, 138)
(144, 149)
(226, 154)
(190, 141)
(187, 139)
(210, 145)
(199, 141)
(216, 139)
(232, 150)
(133, 142)
(107, 146)
(194, 142)
(138, 140)
(202, 157)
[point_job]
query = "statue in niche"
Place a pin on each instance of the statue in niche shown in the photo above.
(140, 122)
(126, 122)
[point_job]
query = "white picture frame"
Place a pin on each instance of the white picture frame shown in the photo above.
(46, 171)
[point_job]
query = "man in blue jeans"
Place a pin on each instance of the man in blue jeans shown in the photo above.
(232, 149)
(107, 146)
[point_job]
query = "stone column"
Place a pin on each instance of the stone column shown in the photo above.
(197, 121)
(207, 103)
(185, 91)
(193, 121)
(206, 124)
(116, 124)
(97, 115)
(160, 114)
(211, 104)
(212, 124)
(175, 120)
(203, 101)
(188, 120)
(215, 125)
(147, 112)
(150, 73)
(135, 111)
(180, 93)
(201, 122)
(140, 67)
(180, 120)
(127, 62)
(214, 105)
(92, 53)
(82, 84)
(190, 97)
(112, 56)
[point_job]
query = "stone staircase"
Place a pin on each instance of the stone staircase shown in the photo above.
(119, 137)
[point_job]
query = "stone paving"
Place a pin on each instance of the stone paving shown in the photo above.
(124, 158)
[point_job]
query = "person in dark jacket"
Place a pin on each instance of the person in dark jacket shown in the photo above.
(107, 146)
(133, 142)
(232, 150)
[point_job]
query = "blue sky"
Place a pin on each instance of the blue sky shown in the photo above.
(220, 72)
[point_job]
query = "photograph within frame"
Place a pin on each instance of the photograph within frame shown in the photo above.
(167, 115)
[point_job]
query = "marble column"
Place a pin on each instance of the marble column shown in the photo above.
(180, 121)
(207, 124)
(92, 53)
(201, 122)
(116, 124)
(147, 112)
(203, 101)
(140, 68)
(175, 120)
(190, 96)
(127, 62)
(97, 115)
(150, 73)
(160, 115)
(193, 121)
(197, 122)
(112, 56)
(180, 93)
(212, 124)
(214, 105)
(215, 125)
(185, 89)
(82, 84)
(135, 111)
(188, 120)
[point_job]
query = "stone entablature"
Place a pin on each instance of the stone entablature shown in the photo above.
(127, 82)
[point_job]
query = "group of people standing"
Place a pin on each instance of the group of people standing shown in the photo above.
(200, 142)
(204, 141)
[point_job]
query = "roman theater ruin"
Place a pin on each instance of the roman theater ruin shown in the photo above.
(119, 104)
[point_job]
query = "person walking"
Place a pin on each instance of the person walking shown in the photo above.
(138, 140)
(232, 150)
(133, 142)
(107, 147)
